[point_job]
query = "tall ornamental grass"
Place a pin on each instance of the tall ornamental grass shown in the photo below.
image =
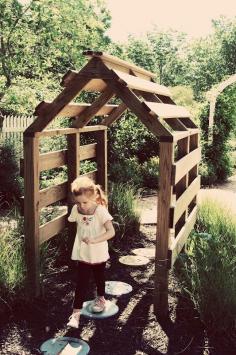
(12, 261)
(208, 269)
(123, 208)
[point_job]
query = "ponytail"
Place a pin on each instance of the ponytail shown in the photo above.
(101, 197)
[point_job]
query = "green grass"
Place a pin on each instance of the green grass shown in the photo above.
(208, 269)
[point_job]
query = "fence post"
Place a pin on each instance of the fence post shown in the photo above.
(31, 214)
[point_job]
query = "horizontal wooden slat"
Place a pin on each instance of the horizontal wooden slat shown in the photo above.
(185, 199)
(64, 131)
(74, 109)
(49, 229)
(167, 110)
(134, 82)
(185, 164)
(107, 58)
(88, 151)
(178, 243)
(91, 175)
(53, 194)
(52, 160)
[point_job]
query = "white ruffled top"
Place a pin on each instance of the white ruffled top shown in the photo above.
(90, 226)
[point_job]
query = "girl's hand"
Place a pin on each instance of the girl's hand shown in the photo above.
(87, 240)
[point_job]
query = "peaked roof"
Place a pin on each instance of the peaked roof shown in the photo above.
(113, 77)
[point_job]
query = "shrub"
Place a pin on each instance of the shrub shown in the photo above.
(122, 206)
(150, 172)
(10, 184)
(208, 268)
(126, 170)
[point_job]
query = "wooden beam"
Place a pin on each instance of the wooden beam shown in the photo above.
(162, 238)
(53, 194)
(184, 165)
(58, 104)
(178, 243)
(116, 113)
(107, 58)
(136, 83)
(52, 160)
(185, 199)
(101, 154)
(85, 117)
(52, 228)
(31, 214)
(74, 109)
(167, 110)
(142, 111)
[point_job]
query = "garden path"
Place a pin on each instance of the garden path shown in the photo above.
(225, 193)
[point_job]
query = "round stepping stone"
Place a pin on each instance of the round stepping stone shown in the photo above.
(147, 252)
(110, 310)
(64, 346)
(134, 260)
(117, 288)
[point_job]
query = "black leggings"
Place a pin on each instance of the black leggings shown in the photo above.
(83, 277)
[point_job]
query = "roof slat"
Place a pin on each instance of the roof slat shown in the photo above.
(167, 110)
(133, 82)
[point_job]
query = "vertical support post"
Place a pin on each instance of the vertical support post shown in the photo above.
(164, 203)
(101, 157)
(73, 165)
(31, 214)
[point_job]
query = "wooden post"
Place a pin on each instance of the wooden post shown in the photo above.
(31, 214)
(163, 220)
(101, 156)
(73, 161)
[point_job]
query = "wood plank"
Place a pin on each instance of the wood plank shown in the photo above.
(74, 109)
(167, 110)
(95, 85)
(52, 228)
(178, 243)
(140, 84)
(53, 194)
(114, 60)
(88, 151)
(67, 131)
(101, 154)
(185, 199)
(133, 103)
(115, 114)
(184, 165)
(92, 175)
(58, 104)
(85, 117)
(31, 214)
(162, 237)
(52, 160)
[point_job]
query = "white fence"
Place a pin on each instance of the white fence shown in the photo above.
(12, 130)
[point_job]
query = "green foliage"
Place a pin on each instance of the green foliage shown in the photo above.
(150, 173)
(10, 184)
(217, 162)
(208, 268)
(126, 170)
(122, 206)
(12, 258)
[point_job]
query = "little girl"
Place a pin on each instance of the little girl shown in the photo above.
(94, 228)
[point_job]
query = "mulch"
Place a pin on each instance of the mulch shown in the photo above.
(135, 330)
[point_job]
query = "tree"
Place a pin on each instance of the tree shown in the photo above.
(45, 38)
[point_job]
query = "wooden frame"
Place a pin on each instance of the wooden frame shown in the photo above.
(152, 104)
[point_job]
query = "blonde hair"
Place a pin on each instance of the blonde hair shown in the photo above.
(85, 186)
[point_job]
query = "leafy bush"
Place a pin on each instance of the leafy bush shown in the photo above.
(122, 206)
(10, 184)
(126, 170)
(208, 268)
(150, 172)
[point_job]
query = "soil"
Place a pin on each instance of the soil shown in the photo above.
(135, 330)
